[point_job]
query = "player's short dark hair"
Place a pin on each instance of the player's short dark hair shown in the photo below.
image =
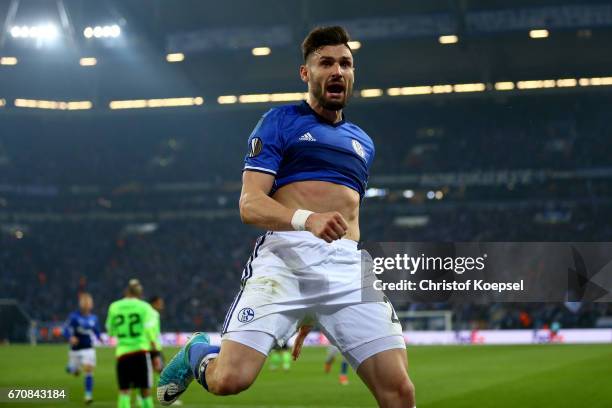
(154, 298)
(322, 36)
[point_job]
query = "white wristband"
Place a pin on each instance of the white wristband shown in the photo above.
(298, 221)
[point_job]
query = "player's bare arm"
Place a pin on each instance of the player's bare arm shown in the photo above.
(257, 208)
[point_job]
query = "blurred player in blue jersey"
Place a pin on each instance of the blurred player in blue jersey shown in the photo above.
(79, 330)
(304, 177)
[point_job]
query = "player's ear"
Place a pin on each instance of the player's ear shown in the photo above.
(304, 73)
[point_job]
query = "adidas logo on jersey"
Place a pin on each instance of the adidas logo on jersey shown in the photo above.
(307, 137)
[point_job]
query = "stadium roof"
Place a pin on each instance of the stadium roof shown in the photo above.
(213, 41)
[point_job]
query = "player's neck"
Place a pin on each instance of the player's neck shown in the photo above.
(329, 115)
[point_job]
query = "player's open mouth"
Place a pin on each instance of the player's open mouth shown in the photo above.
(335, 90)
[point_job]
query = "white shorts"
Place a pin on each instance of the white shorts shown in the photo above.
(79, 358)
(293, 278)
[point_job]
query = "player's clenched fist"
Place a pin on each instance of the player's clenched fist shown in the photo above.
(329, 226)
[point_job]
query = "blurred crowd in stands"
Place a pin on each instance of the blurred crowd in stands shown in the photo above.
(196, 265)
(124, 178)
(565, 132)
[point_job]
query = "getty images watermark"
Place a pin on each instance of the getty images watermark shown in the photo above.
(424, 264)
(487, 272)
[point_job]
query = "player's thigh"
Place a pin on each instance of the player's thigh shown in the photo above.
(386, 370)
(385, 375)
(234, 354)
(242, 356)
(361, 330)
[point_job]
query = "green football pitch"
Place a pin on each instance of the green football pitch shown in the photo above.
(536, 376)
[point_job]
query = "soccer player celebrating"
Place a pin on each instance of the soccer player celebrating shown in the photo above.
(303, 181)
(79, 330)
(132, 322)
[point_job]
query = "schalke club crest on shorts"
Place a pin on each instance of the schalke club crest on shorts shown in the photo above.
(246, 315)
(358, 149)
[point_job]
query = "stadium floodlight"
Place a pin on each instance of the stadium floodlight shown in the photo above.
(375, 192)
(584, 82)
(541, 33)
(227, 99)
(48, 31)
(354, 45)
(156, 103)
(107, 31)
(274, 97)
(88, 61)
(79, 105)
(54, 105)
(427, 90)
(504, 86)
(115, 31)
(175, 57)
(287, 96)
(2, 103)
(536, 84)
(410, 90)
(408, 193)
(371, 93)
(416, 90)
(477, 87)
(431, 195)
(254, 98)
(601, 81)
(8, 61)
(442, 89)
(448, 39)
(261, 51)
(567, 83)
(44, 32)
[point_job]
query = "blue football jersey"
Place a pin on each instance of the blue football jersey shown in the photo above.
(294, 143)
(83, 327)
